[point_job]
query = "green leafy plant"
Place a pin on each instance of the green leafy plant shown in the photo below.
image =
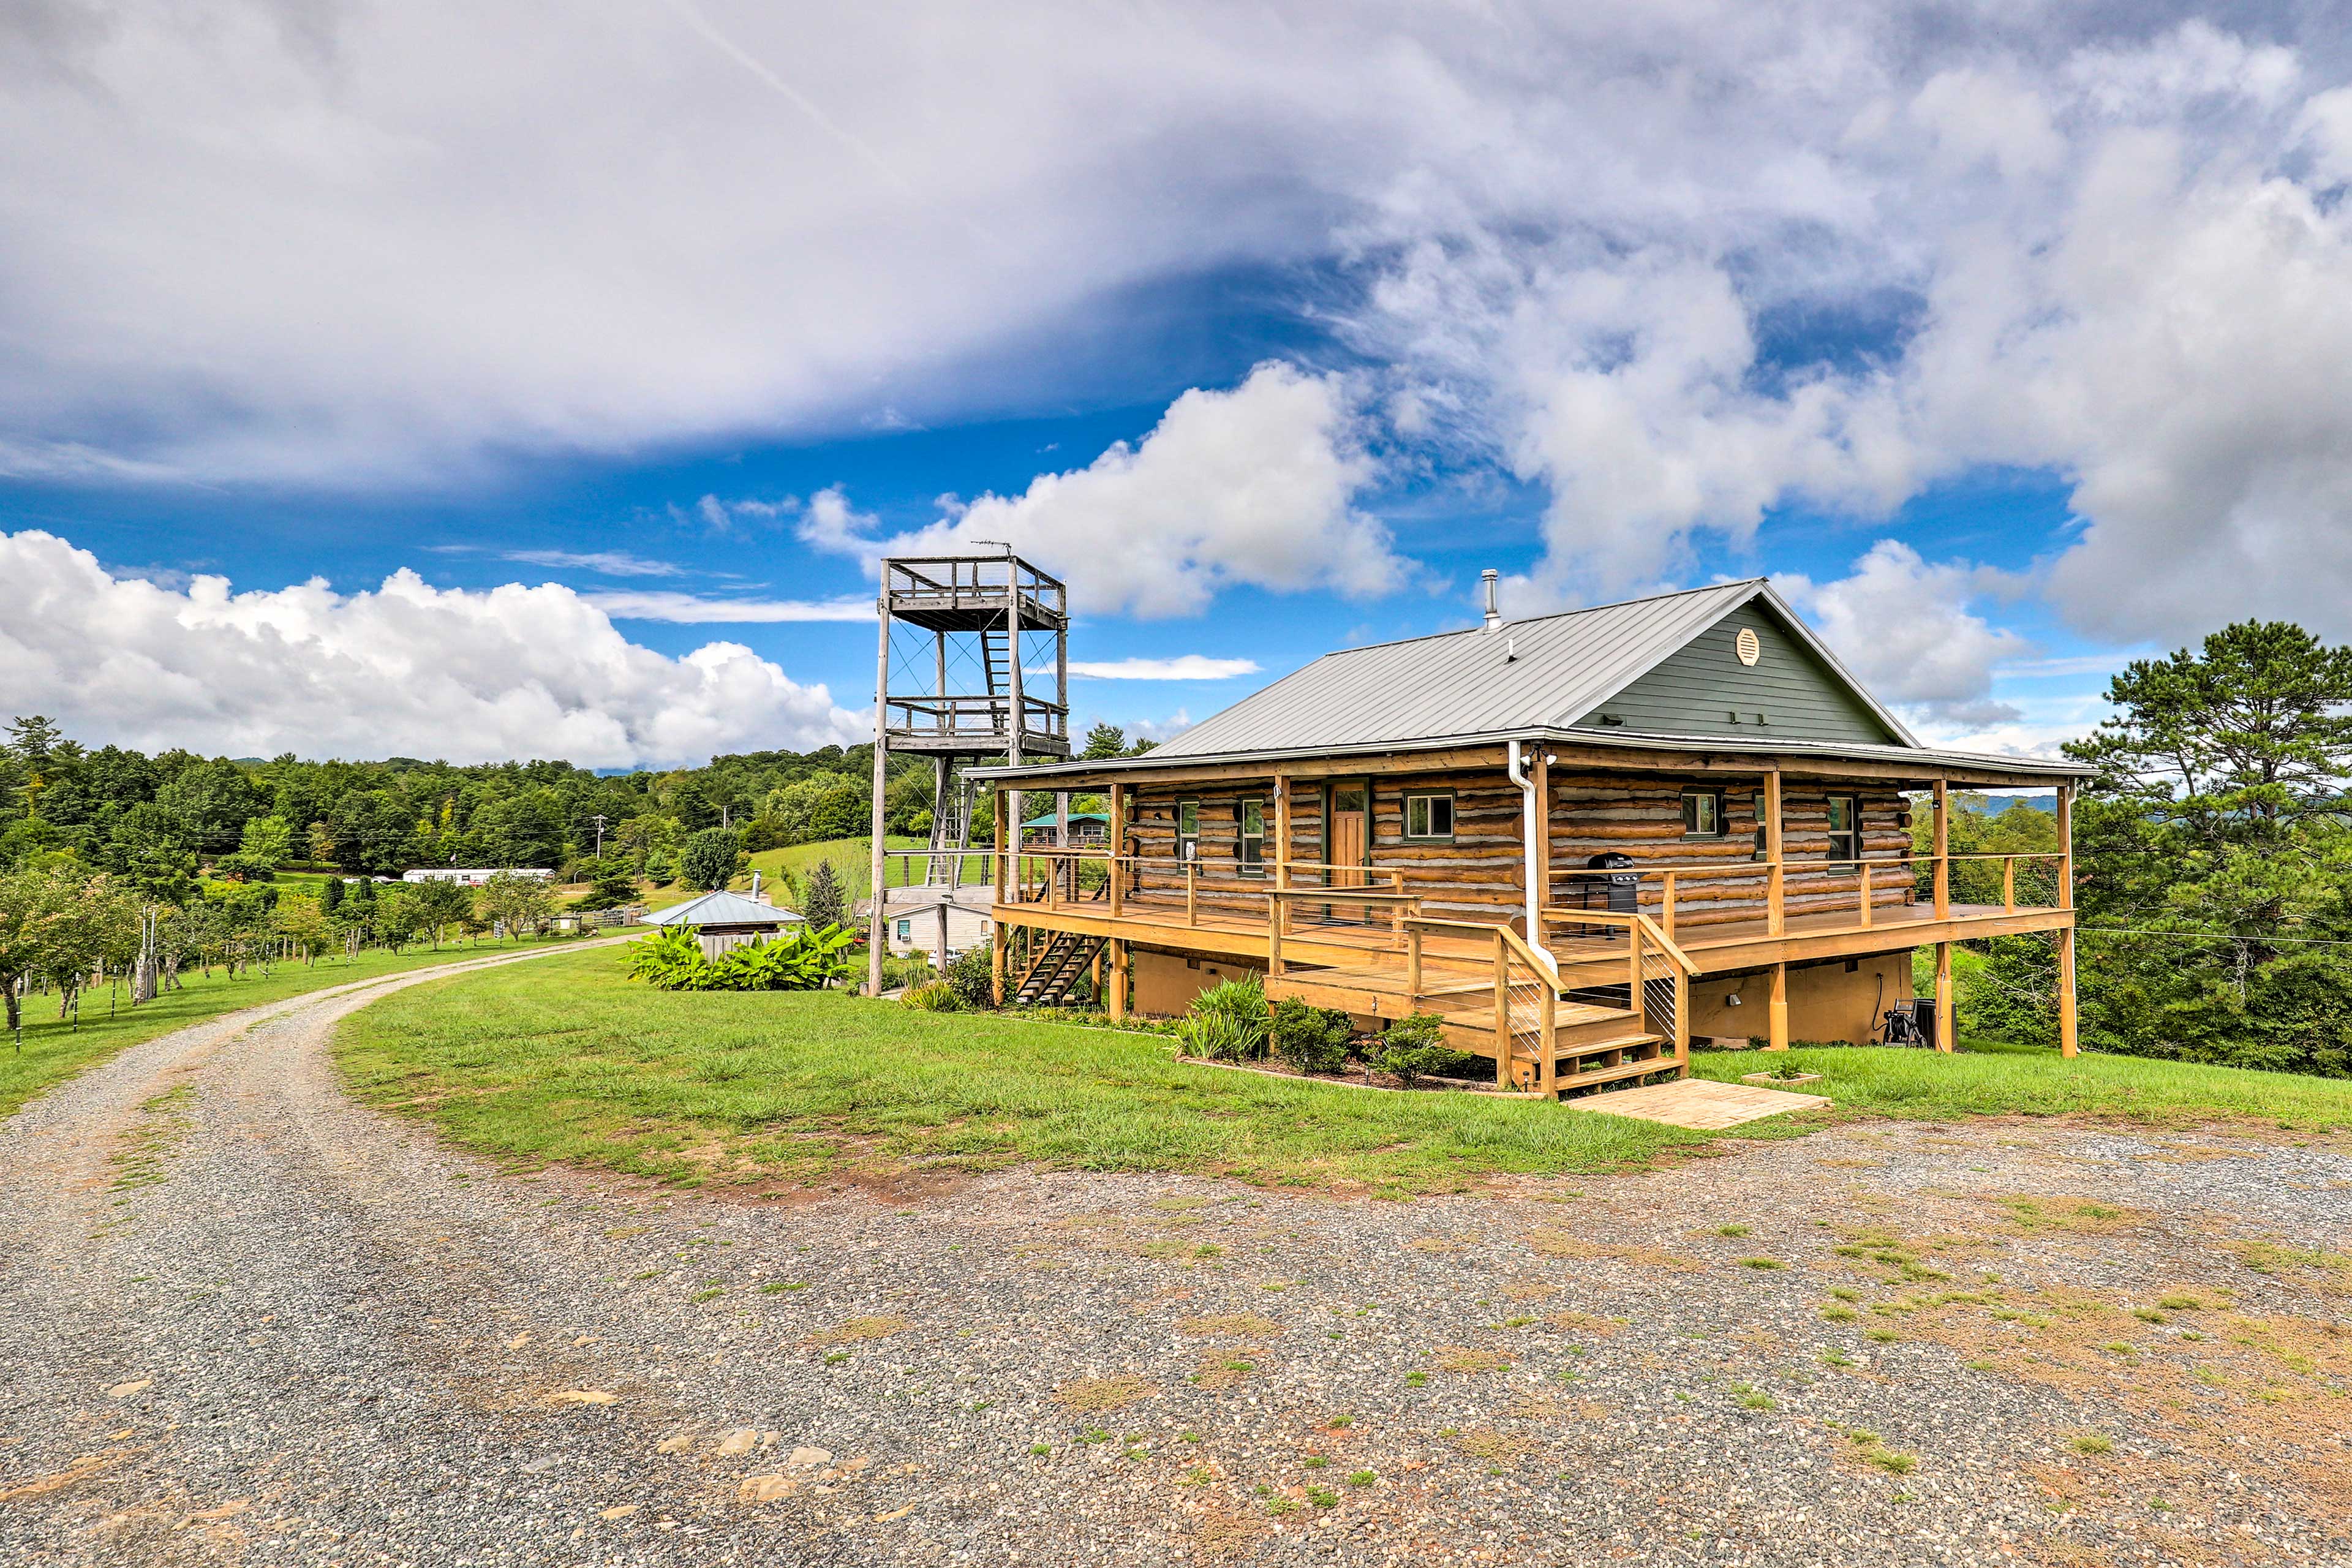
(1228, 1023)
(1413, 1048)
(1311, 1039)
(970, 974)
(808, 960)
(938, 996)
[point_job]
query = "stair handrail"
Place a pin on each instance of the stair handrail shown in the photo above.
(1667, 946)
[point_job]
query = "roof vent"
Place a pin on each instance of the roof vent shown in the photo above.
(1492, 579)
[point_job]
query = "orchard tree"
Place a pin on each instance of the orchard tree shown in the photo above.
(36, 908)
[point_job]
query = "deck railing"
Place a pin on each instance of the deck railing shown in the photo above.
(1858, 886)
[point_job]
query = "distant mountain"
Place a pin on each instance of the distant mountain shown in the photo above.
(1997, 804)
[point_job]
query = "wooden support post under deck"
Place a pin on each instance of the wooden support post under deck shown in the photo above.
(1775, 906)
(996, 938)
(1944, 1041)
(1118, 948)
(1118, 844)
(1943, 851)
(2066, 1020)
(1776, 1011)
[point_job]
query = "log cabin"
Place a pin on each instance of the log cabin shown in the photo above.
(1581, 840)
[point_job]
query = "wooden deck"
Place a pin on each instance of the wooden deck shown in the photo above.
(1715, 949)
(1700, 1104)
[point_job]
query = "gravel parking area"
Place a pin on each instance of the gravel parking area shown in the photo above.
(246, 1321)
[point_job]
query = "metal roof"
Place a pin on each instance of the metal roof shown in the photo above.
(723, 908)
(1928, 760)
(1548, 671)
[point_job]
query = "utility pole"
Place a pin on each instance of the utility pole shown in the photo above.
(600, 836)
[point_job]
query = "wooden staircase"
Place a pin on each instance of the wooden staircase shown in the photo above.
(1600, 1028)
(1060, 964)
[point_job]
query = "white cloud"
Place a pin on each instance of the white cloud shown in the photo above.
(690, 609)
(1252, 486)
(404, 669)
(1903, 626)
(1830, 252)
(1183, 666)
(604, 562)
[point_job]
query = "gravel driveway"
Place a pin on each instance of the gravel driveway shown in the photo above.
(244, 1320)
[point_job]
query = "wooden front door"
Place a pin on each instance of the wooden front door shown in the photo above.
(1350, 845)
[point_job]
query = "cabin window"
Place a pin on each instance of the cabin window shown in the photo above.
(1702, 813)
(1429, 816)
(1251, 853)
(1845, 839)
(906, 929)
(1188, 830)
(1763, 842)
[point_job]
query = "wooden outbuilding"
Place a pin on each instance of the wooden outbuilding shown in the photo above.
(1581, 839)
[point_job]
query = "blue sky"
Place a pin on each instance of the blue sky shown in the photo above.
(589, 378)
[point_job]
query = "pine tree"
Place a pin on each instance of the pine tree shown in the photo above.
(824, 902)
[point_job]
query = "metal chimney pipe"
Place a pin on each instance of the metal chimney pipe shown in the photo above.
(1493, 581)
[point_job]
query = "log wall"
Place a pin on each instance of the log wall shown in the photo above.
(1479, 875)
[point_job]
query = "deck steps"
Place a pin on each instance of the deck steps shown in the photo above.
(1066, 960)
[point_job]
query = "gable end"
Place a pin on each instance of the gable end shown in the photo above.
(1696, 690)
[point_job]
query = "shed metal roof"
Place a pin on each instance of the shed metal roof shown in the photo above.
(1551, 671)
(723, 908)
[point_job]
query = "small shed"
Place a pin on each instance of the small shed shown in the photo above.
(725, 921)
(1089, 828)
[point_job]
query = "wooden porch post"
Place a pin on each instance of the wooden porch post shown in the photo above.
(1775, 907)
(1682, 1021)
(1777, 1011)
(2066, 1019)
(1118, 844)
(997, 934)
(1118, 948)
(1944, 1041)
(1548, 1067)
(1943, 851)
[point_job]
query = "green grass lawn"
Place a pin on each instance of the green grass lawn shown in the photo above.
(54, 1050)
(568, 1060)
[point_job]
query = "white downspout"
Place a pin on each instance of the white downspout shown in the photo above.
(1531, 823)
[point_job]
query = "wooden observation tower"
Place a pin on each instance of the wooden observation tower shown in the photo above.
(973, 664)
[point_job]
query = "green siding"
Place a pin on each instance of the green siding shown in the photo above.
(1696, 690)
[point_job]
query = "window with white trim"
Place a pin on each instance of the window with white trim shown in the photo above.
(1251, 819)
(1188, 830)
(1429, 818)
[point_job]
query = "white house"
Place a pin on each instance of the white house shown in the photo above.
(475, 875)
